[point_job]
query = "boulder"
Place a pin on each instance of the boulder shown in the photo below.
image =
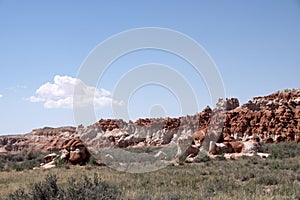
(220, 148)
(251, 147)
(75, 152)
(198, 137)
(184, 144)
(237, 147)
(50, 157)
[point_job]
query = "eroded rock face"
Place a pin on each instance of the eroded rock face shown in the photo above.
(44, 140)
(12, 143)
(273, 117)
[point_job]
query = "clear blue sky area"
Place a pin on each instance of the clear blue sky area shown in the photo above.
(254, 44)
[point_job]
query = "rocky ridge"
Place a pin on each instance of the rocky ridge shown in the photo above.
(228, 128)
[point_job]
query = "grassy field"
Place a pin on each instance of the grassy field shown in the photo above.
(277, 177)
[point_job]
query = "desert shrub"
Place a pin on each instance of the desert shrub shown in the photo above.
(91, 189)
(144, 149)
(144, 197)
(31, 155)
(2, 165)
(47, 189)
(17, 158)
(220, 157)
(244, 175)
(171, 197)
(83, 189)
(11, 158)
(274, 165)
(267, 179)
(61, 163)
(27, 164)
(294, 167)
(203, 157)
(18, 195)
(16, 166)
(24, 160)
(181, 159)
(282, 150)
(92, 161)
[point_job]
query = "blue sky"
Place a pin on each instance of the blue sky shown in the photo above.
(255, 45)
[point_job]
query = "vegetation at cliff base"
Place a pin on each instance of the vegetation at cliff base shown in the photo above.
(277, 177)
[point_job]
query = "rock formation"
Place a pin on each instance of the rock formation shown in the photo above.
(228, 128)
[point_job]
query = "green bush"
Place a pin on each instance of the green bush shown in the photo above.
(92, 161)
(91, 189)
(43, 191)
(83, 189)
(282, 150)
(24, 160)
(267, 179)
(18, 195)
(16, 166)
(61, 163)
(245, 178)
(203, 157)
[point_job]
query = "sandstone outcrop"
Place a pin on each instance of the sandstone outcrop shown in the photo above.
(227, 128)
(75, 152)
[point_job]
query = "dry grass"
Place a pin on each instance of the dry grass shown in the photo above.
(246, 178)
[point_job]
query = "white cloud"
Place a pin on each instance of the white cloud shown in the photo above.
(1, 95)
(35, 99)
(60, 94)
